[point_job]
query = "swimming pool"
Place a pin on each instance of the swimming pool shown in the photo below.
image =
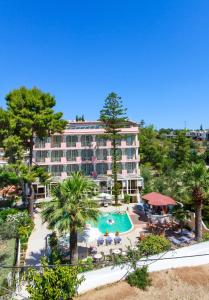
(113, 222)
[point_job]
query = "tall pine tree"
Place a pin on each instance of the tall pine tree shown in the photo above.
(31, 114)
(113, 116)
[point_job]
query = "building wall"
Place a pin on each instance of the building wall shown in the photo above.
(83, 149)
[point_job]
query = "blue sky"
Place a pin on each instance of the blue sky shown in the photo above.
(154, 54)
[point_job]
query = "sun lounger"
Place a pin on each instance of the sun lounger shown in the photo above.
(117, 240)
(175, 241)
(100, 241)
(185, 239)
(108, 240)
(187, 233)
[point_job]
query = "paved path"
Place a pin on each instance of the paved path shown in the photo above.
(97, 278)
(37, 241)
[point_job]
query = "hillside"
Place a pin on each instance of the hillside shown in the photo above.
(179, 284)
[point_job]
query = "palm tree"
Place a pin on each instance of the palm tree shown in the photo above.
(197, 182)
(71, 207)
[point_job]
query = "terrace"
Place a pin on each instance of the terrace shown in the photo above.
(101, 244)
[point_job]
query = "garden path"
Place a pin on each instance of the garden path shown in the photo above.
(37, 241)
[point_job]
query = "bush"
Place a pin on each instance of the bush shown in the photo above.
(86, 264)
(24, 233)
(127, 198)
(205, 236)
(7, 231)
(139, 278)
(6, 212)
(59, 282)
(154, 244)
(7, 203)
(53, 240)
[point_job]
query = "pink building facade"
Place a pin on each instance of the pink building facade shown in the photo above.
(82, 147)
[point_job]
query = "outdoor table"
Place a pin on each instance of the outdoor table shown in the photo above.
(116, 251)
(94, 251)
(98, 256)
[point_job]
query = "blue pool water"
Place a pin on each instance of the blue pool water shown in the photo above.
(113, 222)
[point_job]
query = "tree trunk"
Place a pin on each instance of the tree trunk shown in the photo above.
(73, 245)
(198, 222)
(115, 175)
(24, 193)
(198, 202)
(31, 151)
(31, 200)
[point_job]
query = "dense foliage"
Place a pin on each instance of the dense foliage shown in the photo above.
(30, 114)
(139, 278)
(165, 162)
(56, 283)
(15, 223)
(153, 244)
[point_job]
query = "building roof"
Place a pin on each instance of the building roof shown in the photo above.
(157, 199)
(98, 123)
(8, 190)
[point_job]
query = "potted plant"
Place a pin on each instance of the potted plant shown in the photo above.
(106, 233)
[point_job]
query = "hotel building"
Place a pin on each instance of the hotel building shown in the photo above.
(82, 147)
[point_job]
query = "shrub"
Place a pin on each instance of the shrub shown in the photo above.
(154, 244)
(53, 283)
(54, 257)
(127, 198)
(6, 212)
(86, 265)
(20, 219)
(53, 240)
(139, 278)
(7, 231)
(7, 203)
(205, 236)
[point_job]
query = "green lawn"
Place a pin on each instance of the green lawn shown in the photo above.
(7, 257)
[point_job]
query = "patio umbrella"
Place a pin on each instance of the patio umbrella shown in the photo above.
(105, 196)
(89, 235)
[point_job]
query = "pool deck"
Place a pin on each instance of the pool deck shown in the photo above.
(128, 239)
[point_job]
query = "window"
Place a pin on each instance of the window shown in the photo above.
(87, 169)
(71, 168)
(40, 156)
(130, 167)
(129, 140)
(40, 143)
(71, 155)
(56, 170)
(56, 141)
(86, 154)
(71, 140)
(86, 140)
(130, 153)
(56, 155)
(101, 169)
(101, 142)
(101, 154)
